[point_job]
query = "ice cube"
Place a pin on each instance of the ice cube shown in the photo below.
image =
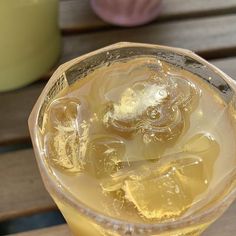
(124, 125)
(104, 155)
(63, 112)
(167, 125)
(167, 187)
(136, 170)
(65, 143)
(152, 108)
(186, 93)
(133, 103)
(171, 192)
(200, 143)
(174, 183)
(62, 150)
(116, 180)
(65, 146)
(193, 175)
(155, 198)
(205, 146)
(111, 185)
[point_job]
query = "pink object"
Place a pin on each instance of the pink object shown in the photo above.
(127, 12)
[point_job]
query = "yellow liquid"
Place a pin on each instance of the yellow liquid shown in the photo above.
(140, 141)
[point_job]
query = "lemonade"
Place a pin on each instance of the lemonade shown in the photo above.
(139, 140)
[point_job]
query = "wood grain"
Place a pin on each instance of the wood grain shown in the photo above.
(212, 37)
(61, 230)
(15, 108)
(22, 191)
(227, 65)
(78, 16)
(225, 226)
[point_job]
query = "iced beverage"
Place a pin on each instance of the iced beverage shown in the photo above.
(139, 145)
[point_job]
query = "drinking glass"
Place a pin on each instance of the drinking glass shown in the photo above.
(83, 220)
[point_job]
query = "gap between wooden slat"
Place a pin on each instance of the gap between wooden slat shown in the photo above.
(77, 16)
(61, 230)
(211, 37)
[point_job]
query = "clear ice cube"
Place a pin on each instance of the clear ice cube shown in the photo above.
(104, 155)
(63, 113)
(200, 143)
(168, 187)
(186, 94)
(205, 146)
(170, 193)
(155, 108)
(66, 142)
(62, 151)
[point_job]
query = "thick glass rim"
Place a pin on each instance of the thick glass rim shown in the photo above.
(195, 64)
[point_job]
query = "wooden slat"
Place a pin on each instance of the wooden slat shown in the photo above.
(21, 189)
(211, 37)
(225, 226)
(227, 65)
(15, 107)
(61, 230)
(218, 38)
(77, 15)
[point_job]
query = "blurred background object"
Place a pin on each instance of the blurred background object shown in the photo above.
(127, 12)
(29, 40)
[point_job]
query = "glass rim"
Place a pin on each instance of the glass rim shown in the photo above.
(98, 217)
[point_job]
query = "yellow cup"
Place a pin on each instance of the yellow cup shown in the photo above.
(29, 40)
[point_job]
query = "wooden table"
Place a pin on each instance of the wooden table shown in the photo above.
(206, 27)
